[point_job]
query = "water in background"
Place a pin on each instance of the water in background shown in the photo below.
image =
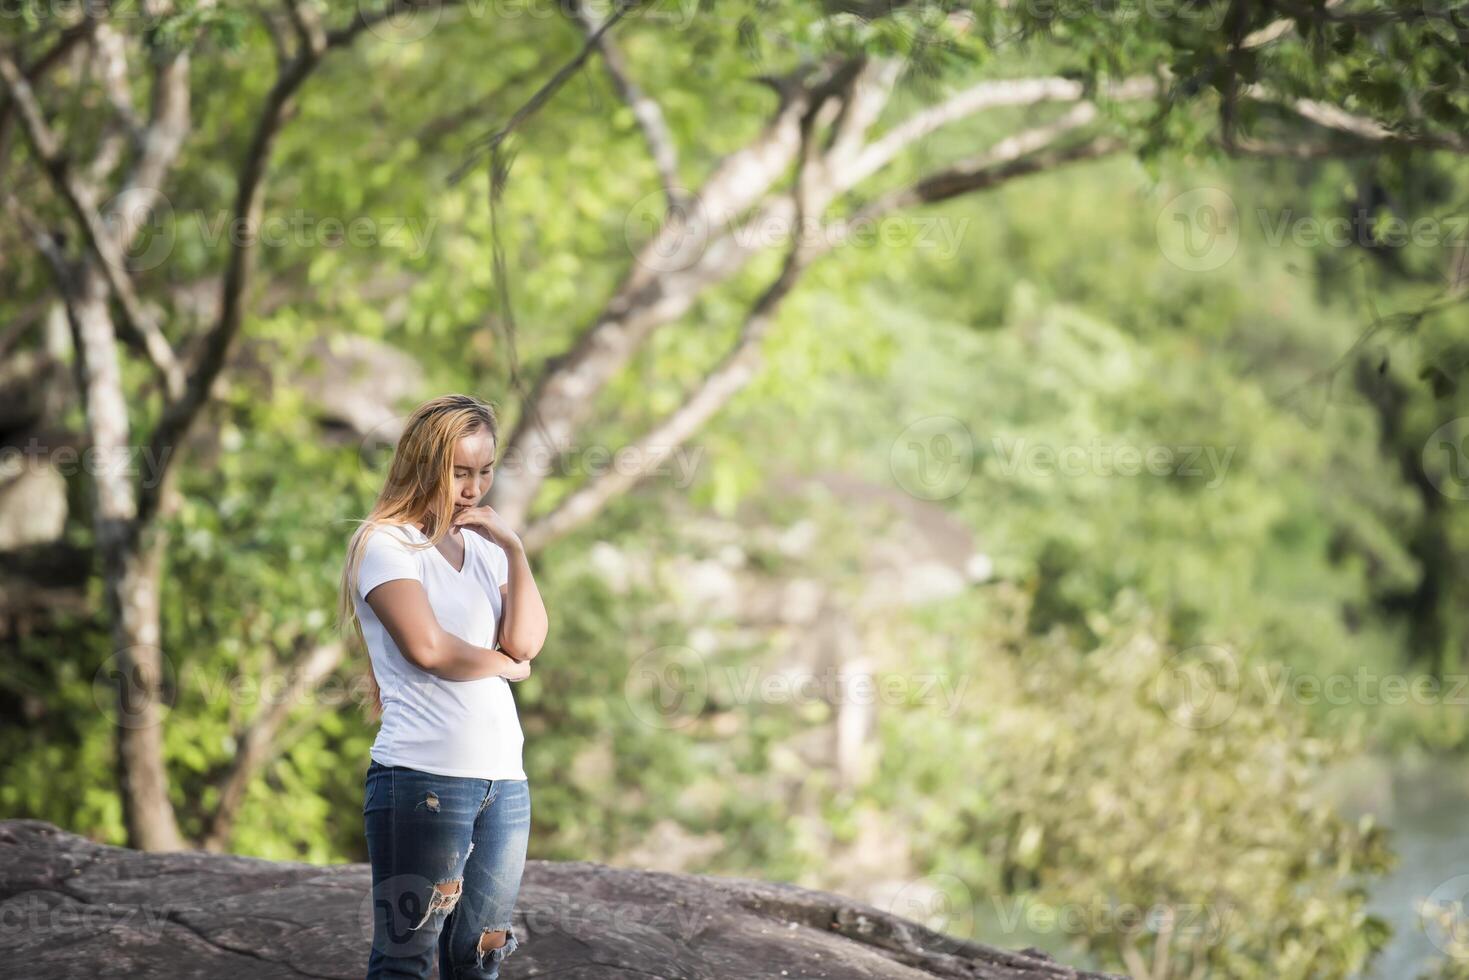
(1426, 805)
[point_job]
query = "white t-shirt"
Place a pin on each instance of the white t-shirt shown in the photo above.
(453, 728)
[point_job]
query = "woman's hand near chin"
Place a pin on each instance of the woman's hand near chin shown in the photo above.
(489, 525)
(523, 621)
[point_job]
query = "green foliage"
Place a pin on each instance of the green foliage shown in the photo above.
(1293, 527)
(1106, 817)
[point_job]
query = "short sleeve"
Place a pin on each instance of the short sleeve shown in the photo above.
(386, 557)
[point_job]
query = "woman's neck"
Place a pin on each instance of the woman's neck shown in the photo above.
(452, 532)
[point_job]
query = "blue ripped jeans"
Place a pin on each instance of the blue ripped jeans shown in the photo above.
(427, 834)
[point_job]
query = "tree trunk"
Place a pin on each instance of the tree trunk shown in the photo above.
(130, 571)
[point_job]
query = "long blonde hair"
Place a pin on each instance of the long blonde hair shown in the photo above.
(419, 489)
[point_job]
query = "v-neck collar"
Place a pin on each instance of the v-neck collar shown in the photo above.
(445, 558)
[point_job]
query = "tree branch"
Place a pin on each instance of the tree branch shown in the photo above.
(432, 132)
(694, 249)
(1329, 116)
(1014, 157)
(162, 139)
(124, 128)
(982, 169)
(70, 37)
(45, 244)
(81, 198)
(364, 20)
(733, 373)
(257, 744)
(487, 143)
(1276, 29)
(862, 103)
(983, 97)
(247, 211)
(646, 111)
(665, 277)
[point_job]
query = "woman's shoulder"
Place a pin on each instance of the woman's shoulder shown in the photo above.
(393, 533)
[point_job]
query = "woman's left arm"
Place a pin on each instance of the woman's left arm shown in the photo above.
(523, 621)
(523, 624)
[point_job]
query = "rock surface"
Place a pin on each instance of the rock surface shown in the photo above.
(70, 907)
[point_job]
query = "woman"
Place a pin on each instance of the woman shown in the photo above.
(438, 590)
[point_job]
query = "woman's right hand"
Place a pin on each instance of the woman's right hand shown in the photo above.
(514, 670)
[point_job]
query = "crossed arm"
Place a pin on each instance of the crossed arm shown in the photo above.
(523, 622)
(403, 606)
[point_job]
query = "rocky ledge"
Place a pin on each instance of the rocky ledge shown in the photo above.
(70, 907)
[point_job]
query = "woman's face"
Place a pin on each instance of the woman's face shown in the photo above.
(474, 457)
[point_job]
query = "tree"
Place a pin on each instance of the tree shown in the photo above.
(93, 276)
(1275, 80)
(1279, 80)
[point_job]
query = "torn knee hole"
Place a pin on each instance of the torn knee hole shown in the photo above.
(442, 899)
(496, 944)
(446, 893)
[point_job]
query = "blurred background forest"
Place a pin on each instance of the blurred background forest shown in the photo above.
(1005, 463)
